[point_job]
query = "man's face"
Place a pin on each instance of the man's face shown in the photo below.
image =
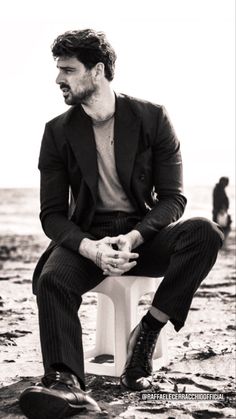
(76, 82)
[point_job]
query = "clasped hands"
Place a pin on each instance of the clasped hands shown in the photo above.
(113, 261)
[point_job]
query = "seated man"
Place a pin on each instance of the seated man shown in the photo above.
(111, 197)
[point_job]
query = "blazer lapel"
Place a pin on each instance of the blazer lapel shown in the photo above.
(126, 137)
(81, 138)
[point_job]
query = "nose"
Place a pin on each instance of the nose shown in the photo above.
(59, 78)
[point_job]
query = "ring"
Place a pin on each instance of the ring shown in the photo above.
(114, 265)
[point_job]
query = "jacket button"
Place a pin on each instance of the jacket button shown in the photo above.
(142, 177)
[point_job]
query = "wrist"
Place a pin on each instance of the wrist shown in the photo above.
(136, 238)
(84, 247)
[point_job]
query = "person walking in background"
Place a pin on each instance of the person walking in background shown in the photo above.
(221, 205)
(111, 197)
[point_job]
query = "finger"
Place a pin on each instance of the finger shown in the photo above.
(118, 270)
(113, 271)
(119, 263)
(125, 247)
(122, 255)
(129, 255)
(127, 266)
(105, 240)
(114, 240)
(112, 266)
(115, 262)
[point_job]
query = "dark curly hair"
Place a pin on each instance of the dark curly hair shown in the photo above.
(89, 47)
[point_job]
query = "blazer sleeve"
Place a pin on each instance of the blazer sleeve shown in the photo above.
(167, 180)
(54, 196)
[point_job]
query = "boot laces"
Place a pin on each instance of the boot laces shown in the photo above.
(143, 350)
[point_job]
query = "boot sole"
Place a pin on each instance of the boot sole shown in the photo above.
(134, 388)
(38, 403)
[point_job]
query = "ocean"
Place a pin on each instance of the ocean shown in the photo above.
(19, 208)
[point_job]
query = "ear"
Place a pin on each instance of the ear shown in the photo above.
(99, 70)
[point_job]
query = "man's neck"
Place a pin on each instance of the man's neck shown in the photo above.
(102, 105)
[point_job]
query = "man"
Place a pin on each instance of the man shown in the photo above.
(111, 195)
(221, 206)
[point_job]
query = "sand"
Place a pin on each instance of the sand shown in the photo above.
(201, 355)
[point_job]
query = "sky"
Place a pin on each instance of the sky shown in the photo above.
(178, 53)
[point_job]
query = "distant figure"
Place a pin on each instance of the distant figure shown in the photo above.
(221, 205)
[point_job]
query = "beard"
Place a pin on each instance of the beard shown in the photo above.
(82, 97)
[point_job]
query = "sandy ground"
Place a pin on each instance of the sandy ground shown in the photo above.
(202, 355)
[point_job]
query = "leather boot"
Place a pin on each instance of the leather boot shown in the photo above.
(58, 396)
(137, 374)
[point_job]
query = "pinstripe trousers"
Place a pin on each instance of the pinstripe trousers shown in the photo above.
(183, 252)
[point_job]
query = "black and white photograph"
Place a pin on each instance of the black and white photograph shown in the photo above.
(117, 209)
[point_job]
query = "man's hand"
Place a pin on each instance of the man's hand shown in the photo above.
(112, 262)
(127, 242)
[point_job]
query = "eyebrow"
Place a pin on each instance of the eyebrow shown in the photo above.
(65, 67)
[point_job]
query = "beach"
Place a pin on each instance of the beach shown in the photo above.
(201, 355)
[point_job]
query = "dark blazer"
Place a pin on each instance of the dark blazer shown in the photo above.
(148, 163)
